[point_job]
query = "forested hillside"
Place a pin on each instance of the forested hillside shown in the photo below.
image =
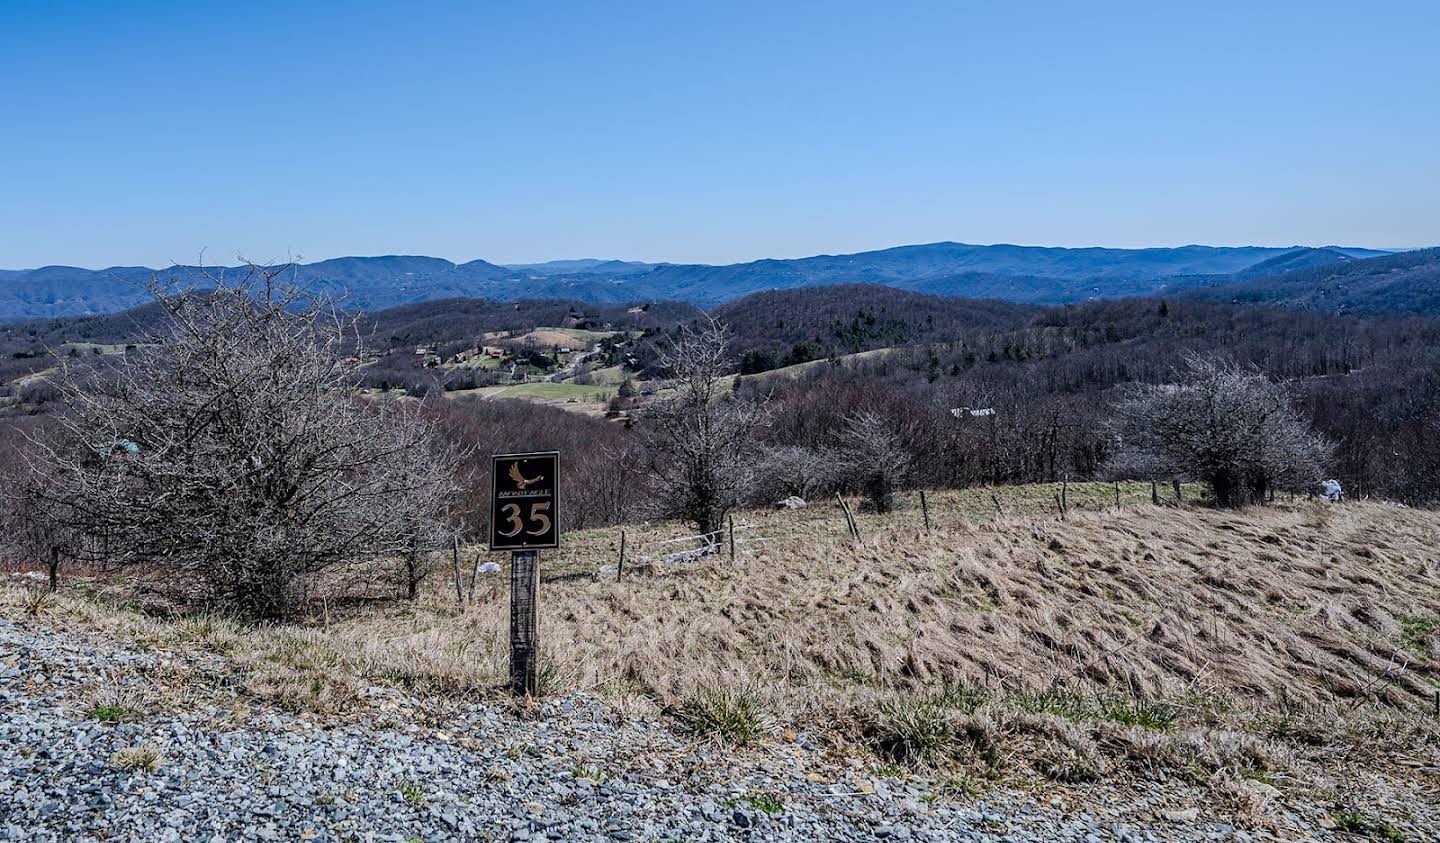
(1048, 376)
(795, 326)
(1371, 384)
(1405, 283)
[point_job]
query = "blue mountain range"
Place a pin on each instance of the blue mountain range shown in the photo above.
(1015, 273)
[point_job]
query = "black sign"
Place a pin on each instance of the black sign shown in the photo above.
(525, 501)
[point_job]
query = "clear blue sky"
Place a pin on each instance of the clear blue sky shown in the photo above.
(144, 132)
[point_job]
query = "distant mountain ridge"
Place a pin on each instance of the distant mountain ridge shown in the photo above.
(1026, 274)
(583, 265)
(1404, 283)
(1299, 259)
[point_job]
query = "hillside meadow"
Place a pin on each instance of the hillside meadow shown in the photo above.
(1296, 646)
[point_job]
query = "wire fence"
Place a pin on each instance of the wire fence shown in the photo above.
(732, 542)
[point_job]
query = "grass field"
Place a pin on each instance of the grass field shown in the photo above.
(80, 348)
(798, 369)
(481, 362)
(89, 347)
(574, 338)
(610, 375)
(1294, 644)
(546, 391)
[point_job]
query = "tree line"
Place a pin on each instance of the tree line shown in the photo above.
(234, 452)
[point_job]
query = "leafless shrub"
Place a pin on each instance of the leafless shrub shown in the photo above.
(233, 455)
(1231, 428)
(874, 458)
(29, 531)
(800, 470)
(702, 437)
(618, 482)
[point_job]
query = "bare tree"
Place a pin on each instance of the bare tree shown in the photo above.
(701, 437)
(801, 470)
(875, 458)
(617, 481)
(230, 451)
(1226, 426)
(29, 529)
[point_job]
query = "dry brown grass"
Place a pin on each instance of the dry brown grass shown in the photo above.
(1306, 605)
(1136, 639)
(144, 758)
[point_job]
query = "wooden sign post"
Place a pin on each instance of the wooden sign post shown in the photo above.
(524, 519)
(524, 629)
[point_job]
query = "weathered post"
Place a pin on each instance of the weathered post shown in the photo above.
(54, 567)
(849, 518)
(412, 570)
(1154, 493)
(1117, 492)
(474, 576)
(1064, 494)
(620, 568)
(924, 510)
(996, 500)
(455, 563)
(524, 629)
(1175, 482)
(732, 536)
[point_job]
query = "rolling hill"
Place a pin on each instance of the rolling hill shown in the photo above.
(1298, 259)
(814, 322)
(1041, 275)
(1407, 283)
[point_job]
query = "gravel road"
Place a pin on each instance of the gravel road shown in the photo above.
(231, 771)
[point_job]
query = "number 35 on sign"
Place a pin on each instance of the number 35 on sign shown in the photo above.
(525, 501)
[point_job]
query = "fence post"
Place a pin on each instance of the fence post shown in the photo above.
(1175, 482)
(1060, 505)
(731, 519)
(474, 575)
(455, 563)
(620, 568)
(54, 569)
(524, 631)
(996, 500)
(849, 518)
(1154, 493)
(924, 510)
(1117, 492)
(1064, 494)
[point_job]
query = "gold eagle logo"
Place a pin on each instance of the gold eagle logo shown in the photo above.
(520, 481)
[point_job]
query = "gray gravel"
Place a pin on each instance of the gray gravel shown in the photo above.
(577, 772)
